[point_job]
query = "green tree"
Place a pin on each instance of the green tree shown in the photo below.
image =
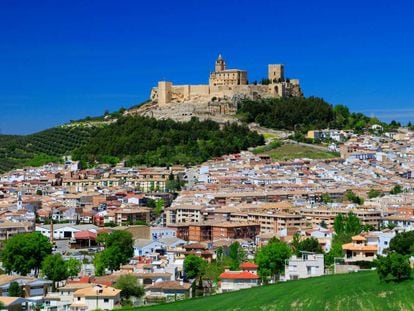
(24, 252)
(15, 290)
(271, 259)
(396, 190)
(394, 266)
(237, 255)
(403, 243)
(122, 239)
(352, 197)
(73, 267)
(352, 224)
(339, 224)
(309, 245)
(335, 252)
(159, 207)
(100, 264)
(54, 268)
(102, 238)
(212, 272)
(295, 243)
(194, 266)
(326, 198)
(128, 284)
(347, 225)
(372, 193)
(118, 250)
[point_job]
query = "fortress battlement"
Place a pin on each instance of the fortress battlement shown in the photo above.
(227, 84)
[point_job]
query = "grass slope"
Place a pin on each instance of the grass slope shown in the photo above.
(356, 291)
(287, 152)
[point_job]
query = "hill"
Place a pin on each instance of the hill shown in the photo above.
(142, 140)
(42, 147)
(139, 140)
(356, 291)
(301, 114)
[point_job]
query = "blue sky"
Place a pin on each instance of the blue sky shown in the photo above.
(63, 60)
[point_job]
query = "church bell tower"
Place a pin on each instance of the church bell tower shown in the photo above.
(220, 64)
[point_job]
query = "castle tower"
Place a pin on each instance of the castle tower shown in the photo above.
(276, 73)
(220, 64)
(164, 92)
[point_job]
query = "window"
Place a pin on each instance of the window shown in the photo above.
(106, 300)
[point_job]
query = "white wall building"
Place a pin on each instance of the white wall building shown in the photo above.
(309, 265)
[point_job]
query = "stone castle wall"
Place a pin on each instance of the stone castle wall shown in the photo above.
(167, 93)
(227, 84)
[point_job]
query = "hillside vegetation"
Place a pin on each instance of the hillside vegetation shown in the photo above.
(301, 114)
(142, 140)
(139, 140)
(353, 292)
(42, 147)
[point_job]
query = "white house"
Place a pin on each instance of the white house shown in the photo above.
(323, 235)
(144, 247)
(162, 232)
(403, 221)
(97, 297)
(236, 280)
(309, 265)
(167, 291)
(64, 231)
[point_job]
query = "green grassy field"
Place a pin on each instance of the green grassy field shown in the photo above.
(356, 291)
(291, 151)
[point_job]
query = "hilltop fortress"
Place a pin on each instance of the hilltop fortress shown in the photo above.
(218, 99)
(226, 84)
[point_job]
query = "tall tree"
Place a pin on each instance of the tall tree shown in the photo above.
(309, 245)
(73, 267)
(394, 266)
(339, 224)
(118, 250)
(194, 266)
(212, 272)
(237, 255)
(271, 259)
(352, 224)
(25, 252)
(128, 284)
(403, 243)
(55, 269)
(15, 290)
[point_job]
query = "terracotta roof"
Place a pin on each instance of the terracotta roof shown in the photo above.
(245, 275)
(101, 291)
(356, 247)
(170, 285)
(85, 235)
(248, 265)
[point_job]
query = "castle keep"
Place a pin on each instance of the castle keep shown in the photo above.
(227, 84)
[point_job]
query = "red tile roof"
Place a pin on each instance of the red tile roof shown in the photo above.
(85, 235)
(238, 275)
(248, 265)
